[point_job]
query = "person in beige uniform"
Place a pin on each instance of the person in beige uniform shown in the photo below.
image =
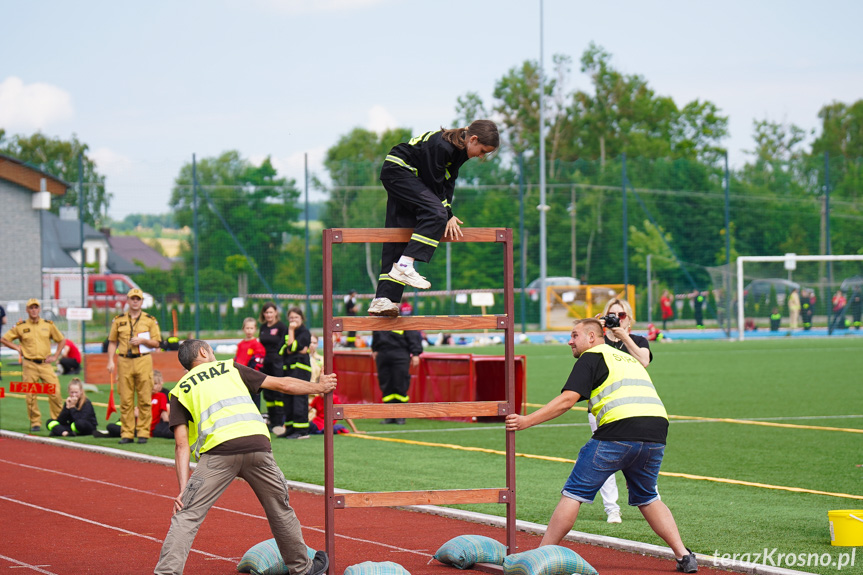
(129, 333)
(35, 335)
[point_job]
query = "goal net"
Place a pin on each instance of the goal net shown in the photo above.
(819, 294)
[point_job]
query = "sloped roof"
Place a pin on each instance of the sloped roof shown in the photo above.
(60, 237)
(14, 170)
(133, 249)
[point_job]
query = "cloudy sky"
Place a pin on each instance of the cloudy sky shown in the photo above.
(147, 84)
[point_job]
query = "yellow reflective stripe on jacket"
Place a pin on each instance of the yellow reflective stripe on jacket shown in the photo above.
(395, 397)
(398, 331)
(422, 137)
(220, 405)
(424, 240)
(446, 204)
(302, 366)
(626, 392)
(399, 162)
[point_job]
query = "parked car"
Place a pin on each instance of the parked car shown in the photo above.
(103, 290)
(850, 284)
(759, 290)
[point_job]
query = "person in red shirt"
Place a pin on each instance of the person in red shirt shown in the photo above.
(160, 410)
(250, 351)
(70, 358)
(665, 305)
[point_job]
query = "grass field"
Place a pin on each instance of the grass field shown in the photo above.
(798, 463)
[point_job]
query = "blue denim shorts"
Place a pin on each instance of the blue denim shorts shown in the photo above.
(638, 460)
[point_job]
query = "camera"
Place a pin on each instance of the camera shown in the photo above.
(611, 321)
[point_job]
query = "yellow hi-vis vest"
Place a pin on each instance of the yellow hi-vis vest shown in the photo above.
(627, 392)
(220, 404)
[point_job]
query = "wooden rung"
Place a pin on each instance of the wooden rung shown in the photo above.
(431, 497)
(403, 235)
(420, 410)
(419, 322)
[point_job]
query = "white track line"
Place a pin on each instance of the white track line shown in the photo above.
(27, 565)
(106, 526)
(145, 492)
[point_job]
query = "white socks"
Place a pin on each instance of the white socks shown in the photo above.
(406, 262)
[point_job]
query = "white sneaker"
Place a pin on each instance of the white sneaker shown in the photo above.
(382, 306)
(408, 275)
(614, 517)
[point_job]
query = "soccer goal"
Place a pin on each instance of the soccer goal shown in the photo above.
(828, 289)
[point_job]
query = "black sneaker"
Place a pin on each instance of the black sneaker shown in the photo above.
(142, 440)
(388, 421)
(297, 435)
(399, 421)
(688, 564)
(320, 564)
(36, 428)
(125, 440)
(99, 433)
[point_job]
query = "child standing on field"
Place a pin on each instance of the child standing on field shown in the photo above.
(419, 177)
(250, 351)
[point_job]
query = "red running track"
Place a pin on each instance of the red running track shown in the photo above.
(70, 512)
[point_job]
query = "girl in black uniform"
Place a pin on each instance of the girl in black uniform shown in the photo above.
(297, 364)
(272, 337)
(78, 416)
(419, 177)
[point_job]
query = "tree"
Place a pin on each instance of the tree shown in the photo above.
(237, 202)
(60, 159)
(357, 199)
(653, 241)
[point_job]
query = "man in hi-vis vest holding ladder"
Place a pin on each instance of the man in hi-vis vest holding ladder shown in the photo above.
(630, 437)
(215, 421)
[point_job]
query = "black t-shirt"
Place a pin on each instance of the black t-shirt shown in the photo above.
(272, 337)
(253, 379)
(587, 374)
(350, 305)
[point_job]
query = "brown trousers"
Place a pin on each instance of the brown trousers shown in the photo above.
(135, 378)
(209, 480)
(41, 372)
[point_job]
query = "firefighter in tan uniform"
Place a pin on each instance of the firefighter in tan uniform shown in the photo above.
(35, 335)
(131, 334)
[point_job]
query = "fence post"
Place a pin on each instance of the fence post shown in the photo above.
(84, 302)
(625, 230)
(522, 241)
(727, 275)
(308, 261)
(195, 220)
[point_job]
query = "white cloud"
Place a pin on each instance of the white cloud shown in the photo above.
(28, 107)
(380, 120)
(109, 162)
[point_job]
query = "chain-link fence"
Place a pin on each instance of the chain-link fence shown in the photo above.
(653, 224)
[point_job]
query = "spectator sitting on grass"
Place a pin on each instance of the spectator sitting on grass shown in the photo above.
(77, 416)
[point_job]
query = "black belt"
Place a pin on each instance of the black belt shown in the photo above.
(35, 360)
(132, 355)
